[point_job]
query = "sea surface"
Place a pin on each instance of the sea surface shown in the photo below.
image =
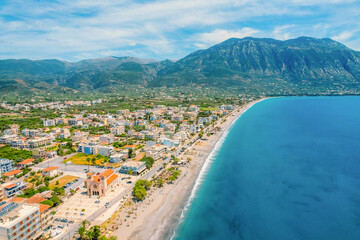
(289, 169)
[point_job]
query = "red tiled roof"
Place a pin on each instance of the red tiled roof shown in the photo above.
(10, 186)
(96, 178)
(18, 199)
(35, 199)
(107, 173)
(139, 156)
(49, 169)
(111, 179)
(27, 161)
(12, 173)
(43, 207)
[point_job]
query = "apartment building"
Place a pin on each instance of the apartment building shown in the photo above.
(6, 165)
(13, 189)
(157, 151)
(36, 142)
(19, 221)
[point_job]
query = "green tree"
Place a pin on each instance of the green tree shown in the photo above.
(81, 232)
(93, 161)
(160, 182)
(95, 232)
(149, 161)
(140, 193)
(130, 153)
(59, 191)
(55, 199)
(48, 202)
(172, 178)
(69, 145)
(201, 133)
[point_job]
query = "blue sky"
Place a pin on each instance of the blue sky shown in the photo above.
(78, 29)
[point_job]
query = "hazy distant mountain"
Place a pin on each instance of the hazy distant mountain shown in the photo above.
(251, 65)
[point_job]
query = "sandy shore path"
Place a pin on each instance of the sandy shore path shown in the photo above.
(158, 215)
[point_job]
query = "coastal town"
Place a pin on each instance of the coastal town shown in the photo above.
(88, 173)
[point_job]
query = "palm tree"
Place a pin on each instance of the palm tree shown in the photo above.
(81, 232)
(89, 235)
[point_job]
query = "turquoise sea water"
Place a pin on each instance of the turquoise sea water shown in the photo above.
(288, 169)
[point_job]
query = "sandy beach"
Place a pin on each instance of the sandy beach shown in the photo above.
(159, 214)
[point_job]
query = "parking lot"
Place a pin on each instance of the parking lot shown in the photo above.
(79, 206)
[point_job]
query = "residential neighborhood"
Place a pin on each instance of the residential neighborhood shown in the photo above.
(73, 163)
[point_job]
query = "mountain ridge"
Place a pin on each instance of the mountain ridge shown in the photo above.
(248, 65)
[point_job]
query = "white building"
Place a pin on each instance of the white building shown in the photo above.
(19, 222)
(116, 158)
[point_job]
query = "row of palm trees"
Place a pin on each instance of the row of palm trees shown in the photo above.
(92, 234)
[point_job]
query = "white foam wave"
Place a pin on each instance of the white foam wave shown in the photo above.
(204, 170)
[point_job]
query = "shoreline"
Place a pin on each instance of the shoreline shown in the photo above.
(162, 212)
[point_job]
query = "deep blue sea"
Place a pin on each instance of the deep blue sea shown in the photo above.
(289, 169)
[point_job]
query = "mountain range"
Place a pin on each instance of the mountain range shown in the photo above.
(254, 66)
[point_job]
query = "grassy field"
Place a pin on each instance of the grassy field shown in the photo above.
(208, 109)
(80, 159)
(62, 181)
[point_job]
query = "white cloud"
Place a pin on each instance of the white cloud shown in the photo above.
(343, 36)
(160, 28)
(220, 35)
(282, 32)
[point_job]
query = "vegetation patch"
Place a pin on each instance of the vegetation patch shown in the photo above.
(17, 155)
(86, 159)
(62, 181)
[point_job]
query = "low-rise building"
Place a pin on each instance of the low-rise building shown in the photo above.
(107, 138)
(49, 122)
(116, 158)
(65, 133)
(14, 189)
(26, 163)
(117, 130)
(12, 174)
(157, 151)
(36, 142)
(51, 172)
(136, 167)
(105, 150)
